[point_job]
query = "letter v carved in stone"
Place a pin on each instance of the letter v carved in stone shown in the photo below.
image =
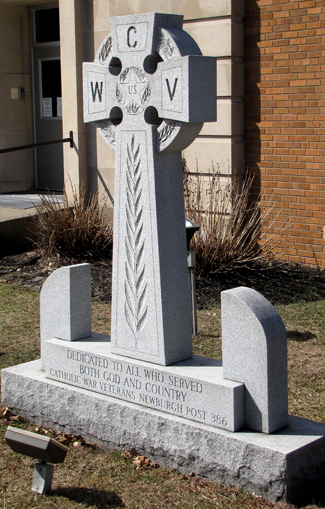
(172, 93)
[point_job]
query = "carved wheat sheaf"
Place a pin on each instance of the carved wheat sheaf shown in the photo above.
(135, 286)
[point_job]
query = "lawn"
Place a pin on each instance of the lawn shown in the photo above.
(92, 477)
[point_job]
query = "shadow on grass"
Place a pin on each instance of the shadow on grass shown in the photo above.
(101, 499)
(279, 282)
(300, 337)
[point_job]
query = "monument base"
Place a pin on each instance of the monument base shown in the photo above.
(285, 465)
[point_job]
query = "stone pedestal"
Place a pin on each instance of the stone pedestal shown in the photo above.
(283, 466)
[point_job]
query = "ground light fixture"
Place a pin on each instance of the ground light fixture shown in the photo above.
(43, 448)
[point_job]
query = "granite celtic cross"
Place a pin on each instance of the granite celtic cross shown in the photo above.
(149, 91)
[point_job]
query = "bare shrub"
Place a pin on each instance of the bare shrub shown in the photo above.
(233, 230)
(80, 230)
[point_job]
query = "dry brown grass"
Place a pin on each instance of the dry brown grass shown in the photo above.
(81, 230)
(94, 478)
(305, 324)
(231, 232)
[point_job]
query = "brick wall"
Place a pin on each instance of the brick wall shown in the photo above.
(284, 116)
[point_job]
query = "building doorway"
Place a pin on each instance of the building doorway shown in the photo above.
(47, 99)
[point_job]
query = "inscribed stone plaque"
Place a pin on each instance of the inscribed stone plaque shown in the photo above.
(192, 389)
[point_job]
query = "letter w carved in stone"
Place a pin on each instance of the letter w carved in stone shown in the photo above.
(97, 91)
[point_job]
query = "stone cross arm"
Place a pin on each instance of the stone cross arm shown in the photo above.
(182, 89)
(150, 62)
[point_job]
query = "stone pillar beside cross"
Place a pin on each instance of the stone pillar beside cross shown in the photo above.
(149, 91)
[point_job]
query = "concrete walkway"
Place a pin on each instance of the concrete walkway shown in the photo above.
(16, 220)
(24, 201)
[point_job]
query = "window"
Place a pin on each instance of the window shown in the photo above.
(47, 26)
(51, 88)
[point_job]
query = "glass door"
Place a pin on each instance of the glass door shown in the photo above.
(47, 99)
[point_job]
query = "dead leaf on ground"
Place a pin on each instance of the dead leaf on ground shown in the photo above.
(138, 460)
(8, 415)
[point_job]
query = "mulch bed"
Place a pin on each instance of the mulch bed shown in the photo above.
(280, 283)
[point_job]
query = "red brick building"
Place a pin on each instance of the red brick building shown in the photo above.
(284, 116)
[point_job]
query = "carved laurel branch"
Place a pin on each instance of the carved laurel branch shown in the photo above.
(165, 46)
(119, 96)
(109, 134)
(107, 130)
(145, 95)
(124, 74)
(135, 307)
(132, 108)
(166, 131)
(140, 74)
(105, 50)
